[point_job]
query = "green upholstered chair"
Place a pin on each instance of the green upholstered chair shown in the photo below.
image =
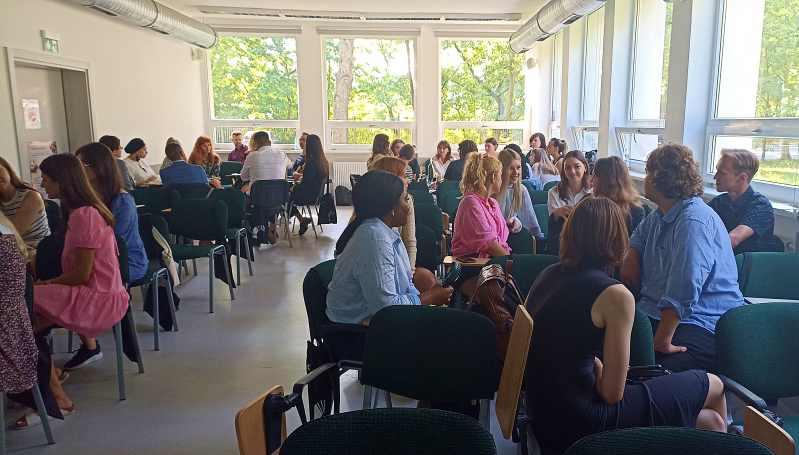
(756, 348)
(769, 275)
(542, 214)
(521, 242)
(642, 345)
(550, 185)
(665, 441)
(391, 431)
(526, 268)
(439, 355)
(227, 169)
(205, 220)
(237, 229)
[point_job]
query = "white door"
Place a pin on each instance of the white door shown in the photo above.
(44, 128)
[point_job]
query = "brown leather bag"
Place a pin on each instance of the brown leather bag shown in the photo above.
(497, 298)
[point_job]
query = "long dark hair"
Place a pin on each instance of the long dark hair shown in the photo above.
(563, 185)
(375, 196)
(107, 181)
(314, 153)
(75, 189)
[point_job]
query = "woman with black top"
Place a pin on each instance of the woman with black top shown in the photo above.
(581, 314)
(310, 178)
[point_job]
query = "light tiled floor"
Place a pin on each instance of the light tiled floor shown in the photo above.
(186, 400)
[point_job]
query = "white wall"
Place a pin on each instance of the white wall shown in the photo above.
(143, 84)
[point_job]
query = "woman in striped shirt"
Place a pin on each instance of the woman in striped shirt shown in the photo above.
(23, 205)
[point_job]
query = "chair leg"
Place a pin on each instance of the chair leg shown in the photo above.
(156, 315)
(171, 301)
(250, 259)
(310, 216)
(388, 399)
(136, 344)
(367, 397)
(69, 341)
(238, 258)
(3, 423)
(117, 329)
(286, 230)
(485, 414)
(211, 282)
(227, 273)
(194, 266)
(40, 409)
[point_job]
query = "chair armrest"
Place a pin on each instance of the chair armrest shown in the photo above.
(746, 395)
(294, 399)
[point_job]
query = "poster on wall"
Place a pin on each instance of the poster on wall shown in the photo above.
(37, 152)
(30, 109)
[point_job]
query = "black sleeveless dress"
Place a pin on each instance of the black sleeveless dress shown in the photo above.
(562, 399)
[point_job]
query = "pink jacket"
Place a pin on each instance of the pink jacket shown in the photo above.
(478, 222)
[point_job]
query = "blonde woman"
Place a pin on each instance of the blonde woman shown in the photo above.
(480, 228)
(513, 198)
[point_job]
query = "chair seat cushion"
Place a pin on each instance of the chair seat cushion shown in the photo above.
(152, 268)
(181, 252)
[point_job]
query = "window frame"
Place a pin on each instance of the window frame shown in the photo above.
(212, 123)
(556, 94)
(583, 70)
(330, 124)
(642, 122)
(780, 127)
(522, 124)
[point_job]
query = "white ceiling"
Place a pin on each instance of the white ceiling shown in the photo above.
(523, 7)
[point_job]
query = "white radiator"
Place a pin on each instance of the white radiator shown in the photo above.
(343, 169)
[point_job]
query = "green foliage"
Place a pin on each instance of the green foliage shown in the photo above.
(254, 78)
(778, 88)
(481, 80)
(504, 136)
(381, 86)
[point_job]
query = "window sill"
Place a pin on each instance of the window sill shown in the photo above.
(781, 209)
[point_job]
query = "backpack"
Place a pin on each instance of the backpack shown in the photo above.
(327, 209)
(343, 195)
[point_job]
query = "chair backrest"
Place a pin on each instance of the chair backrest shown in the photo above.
(421, 196)
(758, 338)
(542, 214)
(269, 194)
(770, 275)
(227, 168)
(449, 197)
(763, 430)
(191, 190)
(428, 247)
(391, 430)
(665, 441)
(124, 269)
(550, 185)
(536, 196)
(642, 346)
(510, 383)
(526, 268)
(428, 215)
(252, 430)
(199, 219)
(155, 198)
(428, 353)
(236, 205)
(314, 293)
(521, 242)
(151, 247)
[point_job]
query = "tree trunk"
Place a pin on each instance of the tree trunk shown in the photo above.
(511, 88)
(410, 73)
(341, 101)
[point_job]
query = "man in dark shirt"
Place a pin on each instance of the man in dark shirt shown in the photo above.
(747, 214)
(455, 168)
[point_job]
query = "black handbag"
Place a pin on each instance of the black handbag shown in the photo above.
(327, 209)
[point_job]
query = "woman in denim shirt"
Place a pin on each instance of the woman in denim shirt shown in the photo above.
(372, 267)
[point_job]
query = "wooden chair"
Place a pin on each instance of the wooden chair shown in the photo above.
(760, 428)
(510, 382)
(251, 430)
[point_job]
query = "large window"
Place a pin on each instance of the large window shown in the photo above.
(482, 91)
(371, 85)
(650, 74)
(254, 87)
(557, 84)
(757, 101)
(592, 66)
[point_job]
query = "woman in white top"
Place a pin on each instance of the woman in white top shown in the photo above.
(574, 186)
(263, 162)
(436, 167)
(139, 170)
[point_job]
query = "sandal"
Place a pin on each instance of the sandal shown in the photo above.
(33, 419)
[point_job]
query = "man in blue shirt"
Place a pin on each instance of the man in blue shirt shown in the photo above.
(181, 172)
(747, 215)
(681, 259)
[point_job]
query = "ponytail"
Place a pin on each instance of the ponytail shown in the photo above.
(349, 231)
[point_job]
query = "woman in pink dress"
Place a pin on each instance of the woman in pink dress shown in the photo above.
(88, 297)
